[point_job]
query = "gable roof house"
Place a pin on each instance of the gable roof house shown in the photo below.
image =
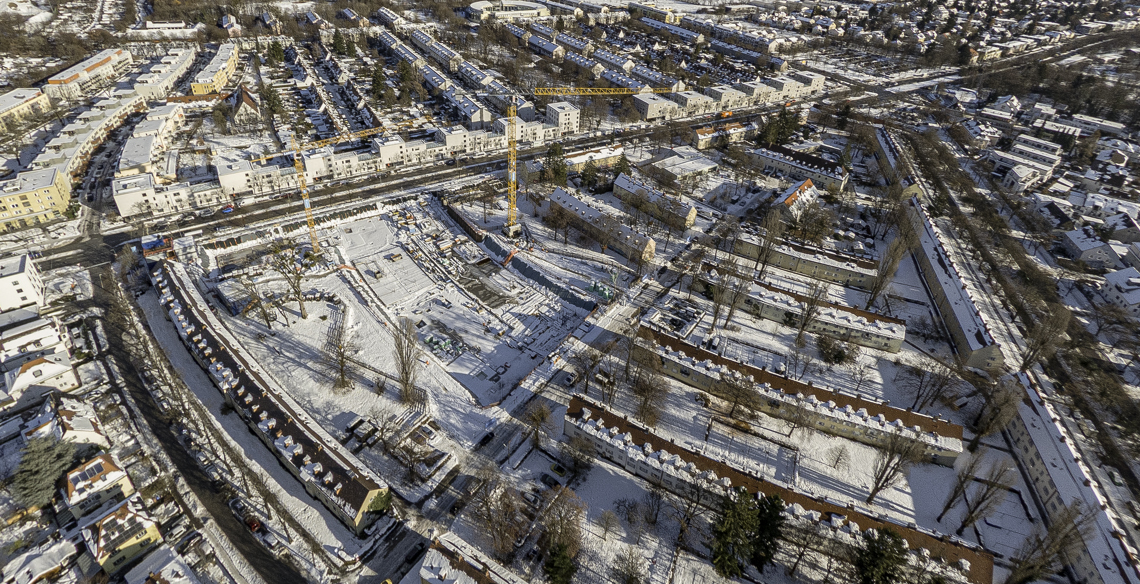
(116, 537)
(246, 107)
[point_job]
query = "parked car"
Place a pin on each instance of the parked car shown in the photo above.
(252, 523)
(549, 481)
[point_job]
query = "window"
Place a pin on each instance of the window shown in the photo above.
(37, 373)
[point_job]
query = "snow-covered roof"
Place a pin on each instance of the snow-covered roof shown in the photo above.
(946, 272)
(1083, 239)
(1127, 284)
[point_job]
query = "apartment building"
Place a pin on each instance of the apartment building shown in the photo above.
(592, 221)
(90, 76)
(20, 283)
(161, 78)
(506, 10)
(663, 28)
(797, 199)
(389, 18)
(603, 157)
(34, 197)
(953, 298)
(20, 104)
(668, 210)
(730, 133)
(821, 264)
(799, 165)
(653, 107)
(141, 195)
(214, 76)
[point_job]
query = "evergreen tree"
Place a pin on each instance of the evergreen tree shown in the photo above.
(349, 48)
(769, 526)
(42, 462)
(554, 167)
(271, 100)
(379, 83)
(338, 42)
(276, 52)
(590, 173)
(559, 567)
(881, 558)
(732, 536)
(622, 166)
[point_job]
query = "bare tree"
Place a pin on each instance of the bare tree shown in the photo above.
(407, 352)
(1042, 553)
(256, 301)
(579, 453)
(962, 480)
(338, 355)
(608, 522)
(687, 503)
(802, 538)
(927, 381)
(537, 419)
(810, 306)
(412, 455)
(388, 425)
(629, 566)
(495, 513)
(998, 410)
(859, 370)
(650, 389)
(606, 231)
(652, 503)
(737, 391)
(1111, 319)
(798, 363)
(562, 516)
(737, 285)
(586, 362)
(895, 456)
(888, 265)
(995, 486)
(798, 418)
(283, 259)
(1046, 336)
(838, 457)
(772, 233)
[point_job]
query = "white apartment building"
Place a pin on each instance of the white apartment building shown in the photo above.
(20, 283)
(91, 75)
(139, 195)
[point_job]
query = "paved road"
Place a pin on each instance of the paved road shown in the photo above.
(266, 564)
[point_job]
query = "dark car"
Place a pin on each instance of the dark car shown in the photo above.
(549, 481)
(485, 440)
(412, 555)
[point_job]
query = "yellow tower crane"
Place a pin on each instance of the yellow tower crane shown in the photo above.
(512, 228)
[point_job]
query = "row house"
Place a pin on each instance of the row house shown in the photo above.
(671, 211)
(619, 237)
(634, 448)
(821, 264)
(585, 64)
(973, 340)
(684, 35)
(656, 79)
(88, 76)
(389, 18)
(613, 60)
(324, 467)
